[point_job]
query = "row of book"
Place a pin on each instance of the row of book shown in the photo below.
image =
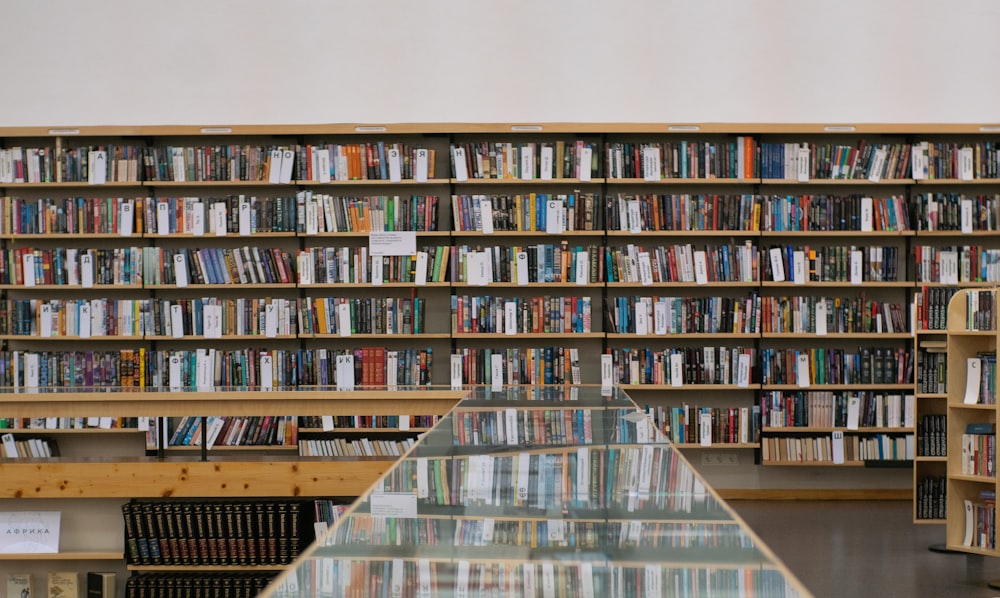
(217, 265)
(932, 368)
(678, 366)
(652, 161)
(944, 160)
(70, 215)
(353, 265)
(210, 369)
(68, 423)
(525, 160)
(361, 422)
(827, 409)
(839, 263)
(519, 315)
(27, 448)
(821, 213)
(346, 316)
(930, 497)
(682, 263)
(956, 212)
(981, 379)
(216, 216)
(631, 479)
(24, 266)
(680, 315)
(956, 264)
(638, 213)
(807, 161)
(550, 212)
(849, 448)
(85, 163)
(548, 427)
(517, 365)
(214, 431)
(271, 163)
(691, 424)
(980, 520)
(61, 584)
(259, 532)
(826, 315)
(806, 367)
(979, 310)
(524, 264)
(932, 435)
(197, 584)
(931, 307)
(979, 451)
(379, 160)
(324, 213)
(362, 447)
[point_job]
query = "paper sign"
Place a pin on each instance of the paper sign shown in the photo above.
(522, 268)
(198, 219)
(219, 218)
(867, 211)
(546, 163)
(421, 274)
(743, 370)
(857, 262)
(700, 267)
(323, 165)
(509, 318)
(777, 264)
(553, 217)
(456, 372)
(966, 170)
(420, 173)
(328, 424)
(838, 447)
(266, 371)
(29, 532)
(799, 267)
(85, 323)
(344, 319)
(180, 270)
(28, 268)
(87, 270)
(162, 218)
(582, 267)
(705, 429)
(802, 165)
(395, 167)
(607, 374)
(396, 243)
(245, 217)
(802, 370)
(458, 159)
(853, 412)
(651, 163)
(271, 319)
(966, 216)
(586, 156)
(660, 318)
(821, 318)
(496, 371)
(973, 380)
(676, 370)
(645, 269)
(176, 321)
(878, 164)
(486, 215)
(634, 216)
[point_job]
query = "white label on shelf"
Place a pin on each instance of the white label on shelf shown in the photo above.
(97, 174)
(700, 267)
(802, 165)
(423, 578)
(45, 319)
(162, 218)
(546, 163)
(396, 576)
(28, 268)
(420, 172)
(143, 424)
(919, 162)
(392, 243)
(344, 319)
(85, 323)
(799, 267)
(458, 159)
(462, 581)
(180, 270)
(323, 165)
(10, 447)
(530, 585)
(266, 371)
(509, 318)
(176, 321)
(312, 217)
(965, 164)
(966, 216)
(219, 218)
(641, 319)
(328, 424)
(326, 573)
(676, 370)
(175, 373)
(777, 264)
(527, 162)
(305, 268)
(743, 370)
(548, 580)
(31, 370)
(394, 504)
(607, 375)
(87, 270)
(853, 412)
(970, 522)
(821, 317)
(948, 267)
(422, 484)
(271, 319)
(586, 579)
(705, 429)
(582, 267)
(641, 427)
(212, 321)
(485, 267)
(456, 372)
(878, 164)
(420, 278)
(287, 163)
(346, 381)
(510, 425)
(404, 422)
(395, 168)
(555, 530)
(645, 269)
(522, 268)
(244, 214)
(486, 538)
(486, 215)
(651, 163)
(867, 215)
(553, 217)
(198, 218)
(651, 577)
(523, 472)
(582, 473)
(838, 447)
(973, 380)
(634, 216)
(496, 371)
(857, 262)
(802, 370)
(586, 157)
(274, 167)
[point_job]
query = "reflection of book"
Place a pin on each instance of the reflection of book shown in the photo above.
(19, 585)
(100, 585)
(63, 585)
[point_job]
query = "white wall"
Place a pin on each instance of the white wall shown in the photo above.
(311, 61)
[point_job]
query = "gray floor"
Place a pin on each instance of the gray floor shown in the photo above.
(865, 548)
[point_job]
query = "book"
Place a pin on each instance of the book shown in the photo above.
(100, 584)
(19, 585)
(63, 584)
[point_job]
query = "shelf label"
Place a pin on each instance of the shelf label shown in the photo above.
(458, 159)
(305, 268)
(176, 321)
(271, 319)
(175, 373)
(948, 267)
(853, 412)
(345, 372)
(528, 574)
(634, 216)
(837, 449)
(510, 423)
(266, 371)
(973, 380)
(546, 163)
(395, 168)
(486, 215)
(965, 164)
(582, 267)
(743, 370)
(245, 217)
(548, 580)
(652, 579)
(857, 262)
(553, 217)
(586, 579)
(312, 216)
(582, 473)
(878, 164)
(660, 318)
(522, 268)
(287, 163)
(198, 219)
(396, 576)
(392, 243)
(705, 429)
(799, 267)
(420, 278)
(377, 270)
(867, 215)
(586, 157)
(394, 504)
(496, 371)
(555, 530)
(676, 370)
(821, 317)
(97, 174)
(700, 267)
(919, 160)
(777, 264)
(523, 472)
(328, 424)
(651, 163)
(645, 269)
(420, 172)
(802, 164)
(45, 319)
(274, 167)
(323, 165)
(143, 424)
(966, 207)
(422, 477)
(527, 162)
(180, 270)
(212, 321)
(456, 372)
(462, 581)
(87, 270)
(607, 375)
(344, 319)
(641, 319)
(28, 532)
(28, 268)
(85, 323)
(219, 218)
(162, 218)
(802, 370)
(423, 578)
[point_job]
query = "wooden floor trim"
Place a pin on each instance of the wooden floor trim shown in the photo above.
(815, 494)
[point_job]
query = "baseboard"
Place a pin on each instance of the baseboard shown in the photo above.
(815, 494)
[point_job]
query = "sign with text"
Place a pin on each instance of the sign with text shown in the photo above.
(29, 532)
(392, 243)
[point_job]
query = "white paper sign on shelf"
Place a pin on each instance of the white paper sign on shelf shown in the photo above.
(28, 269)
(878, 164)
(162, 218)
(651, 163)
(45, 319)
(97, 174)
(586, 156)
(328, 423)
(85, 323)
(212, 321)
(395, 167)
(527, 162)
(175, 373)
(510, 318)
(323, 165)
(660, 318)
(271, 319)
(777, 264)
(838, 447)
(867, 215)
(743, 370)
(799, 267)
(973, 380)
(634, 215)
(176, 321)
(705, 429)
(700, 267)
(219, 218)
(645, 269)
(496, 371)
(393, 504)
(456, 372)
(458, 159)
(510, 425)
(266, 371)
(641, 319)
(180, 270)
(821, 315)
(607, 374)
(853, 412)
(420, 173)
(553, 217)
(802, 370)
(486, 215)
(582, 267)
(392, 243)
(676, 370)
(246, 224)
(857, 262)
(966, 208)
(198, 219)
(966, 170)
(29, 532)
(546, 163)
(344, 319)
(87, 270)
(422, 477)
(521, 268)
(287, 163)
(420, 277)
(802, 165)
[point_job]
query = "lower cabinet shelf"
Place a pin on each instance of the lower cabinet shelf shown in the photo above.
(64, 556)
